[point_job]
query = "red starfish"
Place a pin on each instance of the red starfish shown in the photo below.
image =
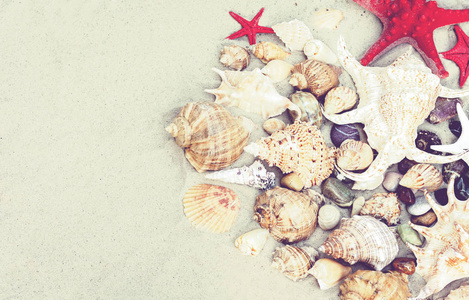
(250, 28)
(413, 22)
(460, 54)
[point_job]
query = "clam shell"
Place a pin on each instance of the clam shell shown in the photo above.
(272, 125)
(383, 206)
(339, 99)
(354, 155)
(211, 207)
(317, 50)
(328, 272)
(327, 18)
(294, 262)
(315, 76)
(277, 70)
(309, 108)
(235, 57)
(267, 51)
(252, 242)
(328, 217)
(294, 34)
(422, 176)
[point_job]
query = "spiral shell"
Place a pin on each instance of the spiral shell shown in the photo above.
(327, 18)
(362, 238)
(290, 216)
(211, 207)
(328, 272)
(383, 206)
(317, 50)
(212, 138)
(354, 155)
(277, 70)
(294, 262)
(267, 51)
(315, 76)
(339, 99)
(309, 108)
(272, 125)
(252, 242)
(422, 176)
(294, 34)
(328, 217)
(235, 57)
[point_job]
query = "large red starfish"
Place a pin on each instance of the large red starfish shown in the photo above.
(460, 54)
(250, 28)
(413, 22)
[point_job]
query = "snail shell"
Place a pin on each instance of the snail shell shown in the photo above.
(328, 217)
(328, 272)
(277, 70)
(267, 51)
(339, 99)
(252, 242)
(354, 155)
(272, 125)
(294, 262)
(314, 76)
(327, 18)
(235, 57)
(295, 34)
(309, 108)
(422, 176)
(383, 206)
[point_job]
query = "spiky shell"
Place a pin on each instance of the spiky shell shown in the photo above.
(252, 242)
(299, 148)
(272, 125)
(383, 206)
(212, 138)
(277, 70)
(422, 176)
(367, 285)
(314, 76)
(362, 238)
(339, 99)
(461, 293)
(290, 216)
(328, 272)
(294, 262)
(317, 50)
(354, 155)
(294, 34)
(267, 51)
(309, 107)
(327, 18)
(211, 207)
(235, 57)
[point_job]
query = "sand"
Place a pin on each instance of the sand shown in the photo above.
(91, 184)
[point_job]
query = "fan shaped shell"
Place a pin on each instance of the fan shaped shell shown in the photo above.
(354, 155)
(294, 34)
(422, 176)
(327, 18)
(294, 262)
(339, 99)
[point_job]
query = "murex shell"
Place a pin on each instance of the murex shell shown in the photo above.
(354, 155)
(294, 34)
(211, 207)
(383, 206)
(252, 242)
(290, 216)
(339, 99)
(294, 262)
(362, 238)
(328, 272)
(422, 176)
(299, 148)
(267, 51)
(212, 138)
(314, 76)
(235, 57)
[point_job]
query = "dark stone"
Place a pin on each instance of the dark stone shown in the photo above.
(425, 139)
(404, 265)
(455, 127)
(405, 195)
(461, 187)
(445, 109)
(404, 165)
(441, 196)
(340, 133)
(338, 192)
(426, 219)
(458, 167)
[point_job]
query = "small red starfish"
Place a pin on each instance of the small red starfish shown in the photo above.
(413, 22)
(250, 28)
(460, 54)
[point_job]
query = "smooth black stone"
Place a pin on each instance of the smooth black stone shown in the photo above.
(405, 195)
(425, 139)
(404, 165)
(455, 128)
(461, 188)
(340, 133)
(458, 167)
(441, 196)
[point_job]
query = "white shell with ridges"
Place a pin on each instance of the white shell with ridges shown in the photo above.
(294, 34)
(327, 18)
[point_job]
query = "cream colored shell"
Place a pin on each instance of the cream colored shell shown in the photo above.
(314, 76)
(328, 217)
(327, 18)
(354, 155)
(272, 125)
(295, 34)
(277, 70)
(252, 242)
(267, 51)
(339, 99)
(317, 50)
(294, 262)
(328, 272)
(235, 57)
(422, 176)
(383, 206)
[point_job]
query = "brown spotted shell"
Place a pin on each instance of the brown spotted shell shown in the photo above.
(235, 57)
(267, 51)
(422, 176)
(315, 76)
(354, 155)
(294, 262)
(383, 206)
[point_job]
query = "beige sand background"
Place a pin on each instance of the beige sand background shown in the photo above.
(91, 184)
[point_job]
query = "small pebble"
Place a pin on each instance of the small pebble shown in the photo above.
(441, 196)
(409, 235)
(405, 195)
(391, 181)
(426, 219)
(445, 109)
(420, 207)
(455, 128)
(272, 125)
(292, 181)
(338, 192)
(357, 206)
(458, 167)
(404, 265)
(461, 187)
(425, 139)
(404, 165)
(340, 133)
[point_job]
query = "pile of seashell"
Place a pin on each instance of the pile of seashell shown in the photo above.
(316, 188)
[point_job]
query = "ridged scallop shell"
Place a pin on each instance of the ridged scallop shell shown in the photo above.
(366, 284)
(314, 76)
(277, 70)
(309, 107)
(254, 92)
(383, 206)
(354, 155)
(328, 272)
(461, 293)
(317, 50)
(299, 148)
(294, 34)
(328, 217)
(252, 242)
(212, 138)
(211, 207)
(272, 125)
(327, 18)
(339, 99)
(422, 176)
(294, 262)
(267, 51)
(362, 238)
(290, 216)
(235, 57)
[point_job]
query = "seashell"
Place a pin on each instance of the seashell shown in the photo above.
(362, 238)
(299, 148)
(294, 34)
(461, 187)
(235, 57)
(405, 195)
(277, 70)
(444, 110)
(339, 99)
(404, 265)
(212, 138)
(289, 216)
(340, 133)
(425, 139)
(455, 128)
(328, 272)
(328, 217)
(314, 76)
(254, 92)
(252, 242)
(309, 107)
(426, 219)
(317, 50)
(458, 167)
(420, 206)
(366, 284)
(383, 206)
(292, 181)
(409, 235)
(272, 125)
(294, 262)
(422, 176)
(338, 192)
(461, 293)
(327, 18)
(391, 181)
(211, 207)
(404, 165)
(354, 155)
(357, 205)
(255, 176)
(267, 51)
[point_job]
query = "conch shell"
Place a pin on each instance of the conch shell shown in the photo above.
(294, 262)
(252, 242)
(290, 216)
(277, 70)
(339, 99)
(267, 51)
(327, 18)
(212, 138)
(362, 238)
(383, 206)
(422, 176)
(295, 34)
(314, 76)
(235, 57)
(354, 155)
(328, 272)
(317, 50)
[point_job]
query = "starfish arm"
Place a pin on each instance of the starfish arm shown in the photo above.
(255, 20)
(451, 16)
(240, 19)
(238, 34)
(263, 29)
(426, 47)
(385, 42)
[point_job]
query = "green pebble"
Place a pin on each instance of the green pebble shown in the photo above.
(409, 235)
(338, 192)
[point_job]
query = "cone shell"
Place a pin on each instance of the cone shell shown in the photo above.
(277, 70)
(235, 57)
(294, 262)
(252, 242)
(328, 272)
(422, 176)
(294, 34)
(362, 238)
(290, 216)
(383, 206)
(211, 207)
(272, 125)
(309, 108)
(314, 76)
(339, 99)
(317, 50)
(212, 138)
(461, 293)
(366, 284)
(354, 155)
(327, 18)
(267, 51)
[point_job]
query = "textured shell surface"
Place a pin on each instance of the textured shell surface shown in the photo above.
(366, 284)
(299, 148)
(235, 57)
(394, 101)
(354, 155)
(328, 272)
(254, 92)
(445, 255)
(339, 99)
(277, 70)
(317, 50)
(272, 125)
(327, 18)
(252, 242)
(267, 51)
(294, 34)
(212, 138)
(314, 76)
(422, 176)
(461, 293)
(383, 206)
(362, 238)
(328, 217)
(309, 107)
(294, 262)
(289, 216)
(211, 207)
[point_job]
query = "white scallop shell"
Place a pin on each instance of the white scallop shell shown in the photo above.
(252, 242)
(277, 70)
(316, 49)
(327, 18)
(294, 34)
(339, 99)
